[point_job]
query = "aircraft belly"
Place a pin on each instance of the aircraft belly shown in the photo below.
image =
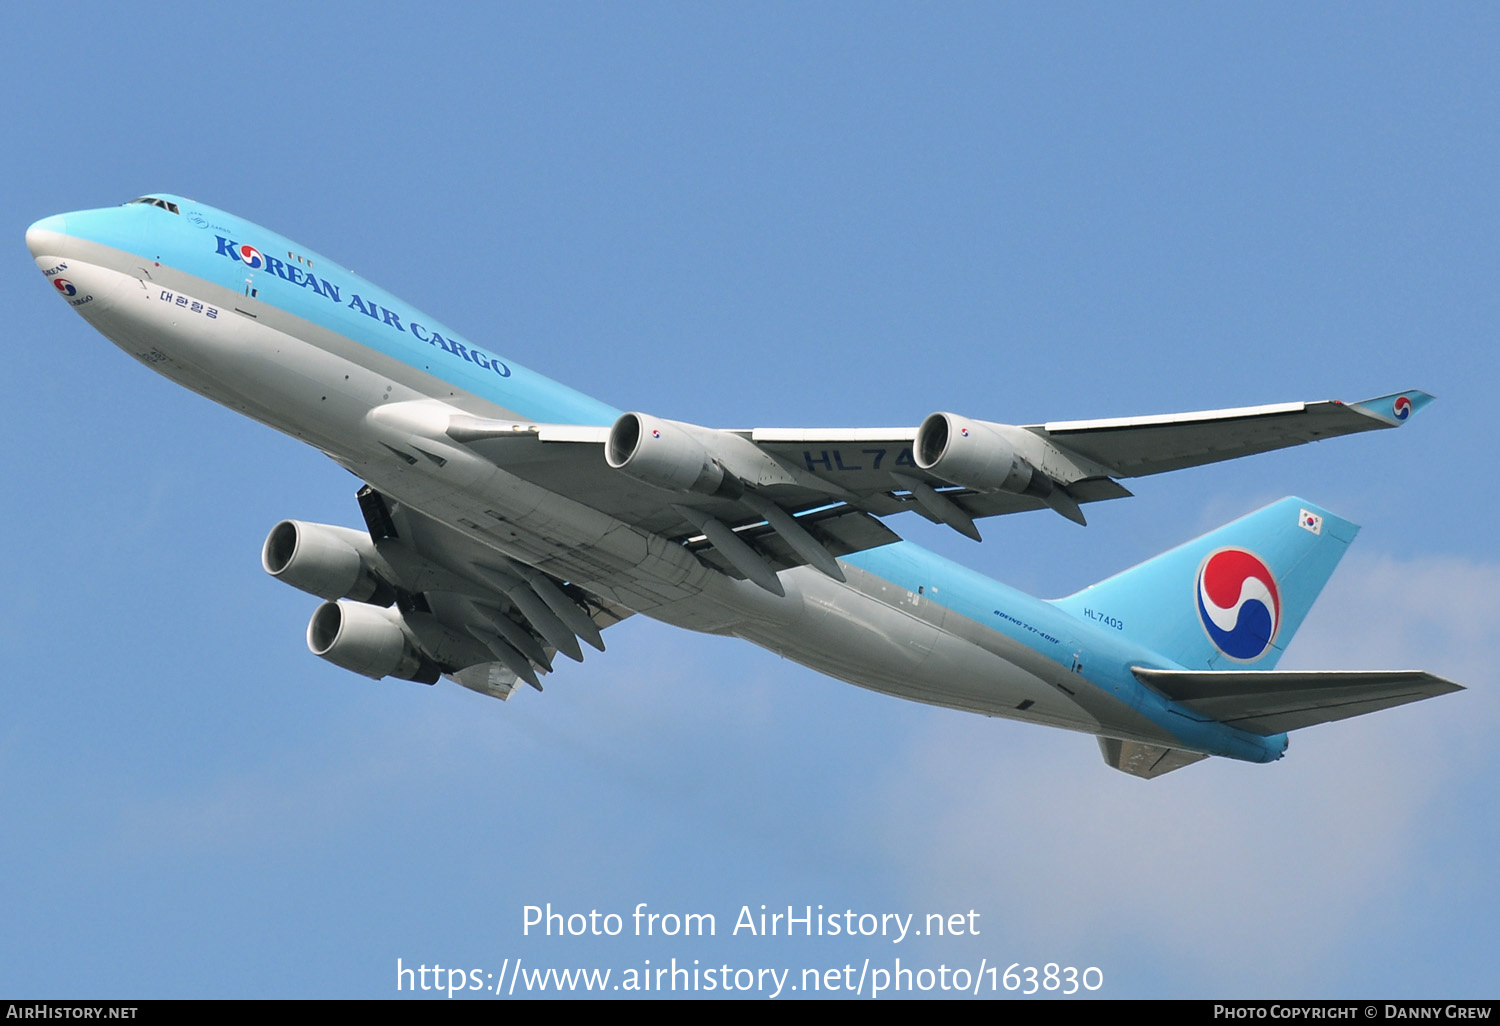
(645, 573)
(864, 640)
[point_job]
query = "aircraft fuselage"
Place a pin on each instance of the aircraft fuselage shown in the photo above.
(266, 327)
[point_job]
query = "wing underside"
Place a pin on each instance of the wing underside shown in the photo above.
(486, 621)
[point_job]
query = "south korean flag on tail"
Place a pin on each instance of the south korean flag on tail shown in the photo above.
(1310, 521)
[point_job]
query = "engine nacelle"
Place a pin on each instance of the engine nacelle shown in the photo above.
(661, 453)
(369, 641)
(326, 561)
(972, 453)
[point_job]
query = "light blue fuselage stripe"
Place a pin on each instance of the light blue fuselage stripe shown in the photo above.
(183, 245)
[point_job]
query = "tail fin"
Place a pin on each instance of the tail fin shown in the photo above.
(1232, 599)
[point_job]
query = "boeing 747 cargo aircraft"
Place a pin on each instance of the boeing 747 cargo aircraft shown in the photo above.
(509, 519)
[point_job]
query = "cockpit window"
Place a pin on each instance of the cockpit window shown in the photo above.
(164, 204)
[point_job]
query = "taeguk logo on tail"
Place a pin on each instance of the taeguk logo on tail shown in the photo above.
(1239, 603)
(1403, 407)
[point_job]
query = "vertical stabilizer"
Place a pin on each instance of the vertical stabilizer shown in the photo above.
(1231, 599)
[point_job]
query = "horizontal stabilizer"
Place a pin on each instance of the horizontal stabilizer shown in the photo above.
(1270, 702)
(1143, 760)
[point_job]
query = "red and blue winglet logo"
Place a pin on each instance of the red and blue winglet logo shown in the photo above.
(1239, 603)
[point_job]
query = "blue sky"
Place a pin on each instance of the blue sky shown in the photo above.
(778, 215)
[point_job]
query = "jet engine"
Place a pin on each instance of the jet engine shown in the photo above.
(326, 561)
(972, 453)
(663, 453)
(369, 641)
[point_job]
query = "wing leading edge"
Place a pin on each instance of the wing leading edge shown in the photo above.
(1137, 446)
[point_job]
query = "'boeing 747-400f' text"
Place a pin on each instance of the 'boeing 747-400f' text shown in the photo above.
(507, 518)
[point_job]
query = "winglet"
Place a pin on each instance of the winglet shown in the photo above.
(1394, 409)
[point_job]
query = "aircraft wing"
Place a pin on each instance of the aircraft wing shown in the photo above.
(488, 622)
(1136, 446)
(752, 502)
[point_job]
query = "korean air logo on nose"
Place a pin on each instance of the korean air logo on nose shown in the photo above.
(1239, 603)
(64, 286)
(252, 258)
(1403, 407)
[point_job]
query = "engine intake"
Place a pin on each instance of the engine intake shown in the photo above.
(369, 641)
(326, 561)
(663, 453)
(972, 453)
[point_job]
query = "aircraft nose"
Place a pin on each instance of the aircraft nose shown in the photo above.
(41, 236)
